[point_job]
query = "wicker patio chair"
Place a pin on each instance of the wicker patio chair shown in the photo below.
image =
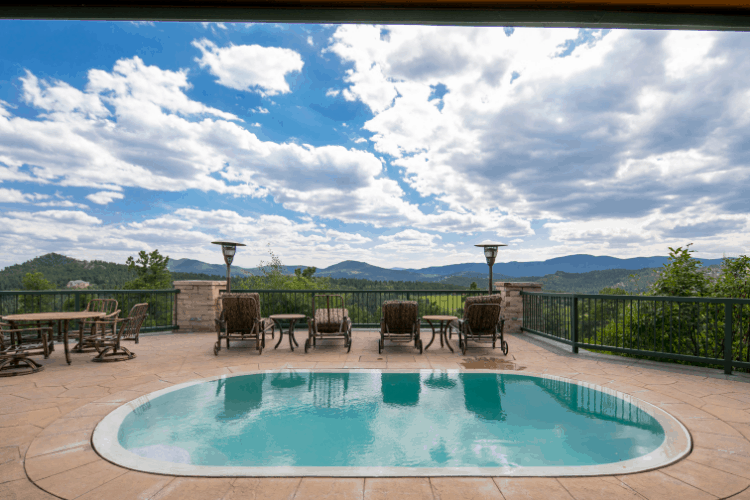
(329, 322)
(110, 333)
(86, 340)
(240, 320)
(400, 323)
(483, 322)
(16, 348)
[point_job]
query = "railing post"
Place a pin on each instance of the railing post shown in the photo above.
(574, 324)
(77, 301)
(727, 337)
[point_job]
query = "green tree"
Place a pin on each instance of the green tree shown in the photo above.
(734, 280)
(273, 277)
(473, 286)
(683, 276)
(150, 271)
(36, 281)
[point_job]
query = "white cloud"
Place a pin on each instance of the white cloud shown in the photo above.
(260, 110)
(310, 40)
(332, 92)
(355, 238)
(105, 197)
(13, 196)
(249, 67)
(601, 135)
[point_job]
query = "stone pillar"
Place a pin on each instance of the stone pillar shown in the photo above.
(198, 305)
(513, 302)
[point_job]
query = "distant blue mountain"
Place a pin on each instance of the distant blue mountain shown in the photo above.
(580, 263)
(196, 266)
(353, 269)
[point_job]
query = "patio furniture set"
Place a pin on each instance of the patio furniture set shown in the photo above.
(241, 320)
(100, 329)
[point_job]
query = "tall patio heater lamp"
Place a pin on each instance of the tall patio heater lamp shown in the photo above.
(228, 249)
(490, 252)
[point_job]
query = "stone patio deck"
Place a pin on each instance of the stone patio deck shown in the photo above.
(46, 422)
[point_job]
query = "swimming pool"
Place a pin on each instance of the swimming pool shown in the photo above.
(389, 423)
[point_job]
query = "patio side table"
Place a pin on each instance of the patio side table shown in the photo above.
(444, 321)
(292, 318)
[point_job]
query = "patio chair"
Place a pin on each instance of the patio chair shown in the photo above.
(240, 320)
(107, 306)
(329, 322)
(16, 349)
(400, 323)
(107, 342)
(482, 323)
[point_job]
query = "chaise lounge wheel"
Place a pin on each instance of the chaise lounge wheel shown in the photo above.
(216, 350)
(420, 346)
(463, 347)
(504, 347)
(307, 345)
(380, 346)
(349, 347)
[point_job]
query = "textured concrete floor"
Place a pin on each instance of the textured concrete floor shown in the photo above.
(46, 422)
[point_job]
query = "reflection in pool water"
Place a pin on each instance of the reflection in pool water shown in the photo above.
(390, 419)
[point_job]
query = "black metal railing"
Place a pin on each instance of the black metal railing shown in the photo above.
(693, 329)
(161, 303)
(364, 306)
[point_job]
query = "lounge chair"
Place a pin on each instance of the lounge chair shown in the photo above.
(329, 322)
(482, 323)
(86, 340)
(107, 342)
(240, 320)
(400, 323)
(16, 348)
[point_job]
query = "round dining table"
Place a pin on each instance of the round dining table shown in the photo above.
(63, 319)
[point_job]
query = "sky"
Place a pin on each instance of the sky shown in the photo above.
(400, 146)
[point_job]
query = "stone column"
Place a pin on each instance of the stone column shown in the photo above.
(198, 305)
(513, 302)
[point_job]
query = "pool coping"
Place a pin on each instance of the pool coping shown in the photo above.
(677, 444)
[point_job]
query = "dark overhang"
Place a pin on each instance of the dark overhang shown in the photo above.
(635, 14)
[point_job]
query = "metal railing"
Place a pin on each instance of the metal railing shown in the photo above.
(364, 306)
(161, 303)
(693, 329)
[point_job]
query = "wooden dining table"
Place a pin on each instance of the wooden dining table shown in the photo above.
(63, 322)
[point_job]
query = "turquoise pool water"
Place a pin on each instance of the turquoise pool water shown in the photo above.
(389, 420)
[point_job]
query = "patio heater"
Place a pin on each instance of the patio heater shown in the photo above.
(490, 252)
(228, 249)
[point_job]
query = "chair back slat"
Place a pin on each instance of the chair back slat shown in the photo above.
(240, 310)
(400, 316)
(107, 306)
(329, 319)
(132, 325)
(482, 313)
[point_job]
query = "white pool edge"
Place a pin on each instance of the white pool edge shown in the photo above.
(677, 443)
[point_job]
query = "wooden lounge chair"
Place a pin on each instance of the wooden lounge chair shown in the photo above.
(110, 334)
(329, 322)
(483, 322)
(400, 323)
(86, 340)
(240, 320)
(16, 347)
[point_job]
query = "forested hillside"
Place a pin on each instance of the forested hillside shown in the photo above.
(59, 270)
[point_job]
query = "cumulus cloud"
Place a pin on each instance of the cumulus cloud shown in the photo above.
(249, 67)
(105, 197)
(604, 128)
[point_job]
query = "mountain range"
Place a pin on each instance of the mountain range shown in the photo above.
(580, 263)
